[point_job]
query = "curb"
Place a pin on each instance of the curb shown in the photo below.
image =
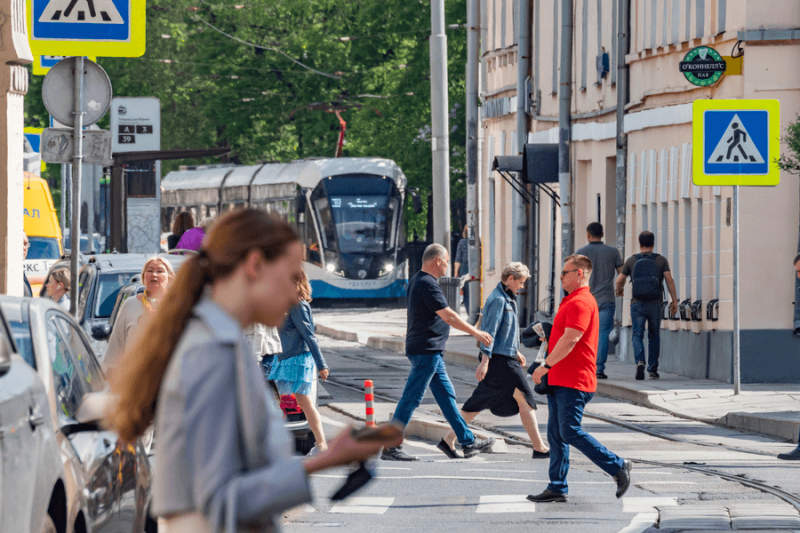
(764, 425)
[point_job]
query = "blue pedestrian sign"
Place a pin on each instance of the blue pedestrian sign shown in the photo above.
(43, 64)
(736, 142)
(33, 137)
(114, 28)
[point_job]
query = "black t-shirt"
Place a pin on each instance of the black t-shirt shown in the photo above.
(426, 332)
(661, 263)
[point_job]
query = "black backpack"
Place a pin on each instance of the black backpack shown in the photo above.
(645, 278)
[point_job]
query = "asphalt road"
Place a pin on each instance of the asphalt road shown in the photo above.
(488, 491)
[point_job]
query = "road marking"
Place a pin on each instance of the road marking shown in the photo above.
(499, 470)
(505, 503)
(391, 468)
(640, 523)
(331, 421)
(363, 505)
(632, 504)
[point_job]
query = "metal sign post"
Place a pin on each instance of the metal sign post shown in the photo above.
(77, 158)
(737, 376)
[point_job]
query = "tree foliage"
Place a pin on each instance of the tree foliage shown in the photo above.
(790, 161)
(221, 90)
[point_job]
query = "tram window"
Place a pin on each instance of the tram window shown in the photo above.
(326, 223)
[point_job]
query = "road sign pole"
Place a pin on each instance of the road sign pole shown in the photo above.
(77, 153)
(737, 376)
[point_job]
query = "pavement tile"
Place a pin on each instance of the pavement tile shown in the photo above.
(751, 515)
(701, 517)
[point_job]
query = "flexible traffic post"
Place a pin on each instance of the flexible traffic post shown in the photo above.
(369, 398)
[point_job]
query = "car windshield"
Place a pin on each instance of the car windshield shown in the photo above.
(108, 287)
(22, 336)
(361, 222)
(84, 244)
(43, 248)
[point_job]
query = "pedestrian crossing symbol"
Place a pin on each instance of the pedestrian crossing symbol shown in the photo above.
(736, 142)
(114, 28)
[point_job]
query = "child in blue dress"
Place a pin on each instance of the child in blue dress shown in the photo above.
(293, 369)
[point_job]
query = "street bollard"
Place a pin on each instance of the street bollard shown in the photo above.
(369, 399)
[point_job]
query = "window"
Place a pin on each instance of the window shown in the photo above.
(491, 225)
(108, 287)
(22, 336)
(75, 370)
(43, 248)
(84, 288)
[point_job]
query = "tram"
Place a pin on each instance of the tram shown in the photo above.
(347, 211)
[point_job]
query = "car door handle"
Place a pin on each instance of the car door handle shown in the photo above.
(35, 420)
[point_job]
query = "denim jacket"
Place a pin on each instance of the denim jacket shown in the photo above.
(297, 335)
(500, 321)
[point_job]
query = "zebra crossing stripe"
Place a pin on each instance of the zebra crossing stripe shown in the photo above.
(646, 504)
(505, 503)
(640, 523)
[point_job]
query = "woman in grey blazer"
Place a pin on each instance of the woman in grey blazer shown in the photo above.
(224, 459)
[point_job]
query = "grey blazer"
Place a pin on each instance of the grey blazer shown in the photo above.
(222, 447)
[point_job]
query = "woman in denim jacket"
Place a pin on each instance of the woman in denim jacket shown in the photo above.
(293, 368)
(504, 387)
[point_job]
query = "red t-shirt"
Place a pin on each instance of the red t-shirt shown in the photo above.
(578, 369)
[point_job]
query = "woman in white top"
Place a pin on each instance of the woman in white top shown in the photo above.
(156, 276)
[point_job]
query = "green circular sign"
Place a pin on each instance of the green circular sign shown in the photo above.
(703, 66)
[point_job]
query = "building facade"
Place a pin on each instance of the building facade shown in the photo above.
(693, 225)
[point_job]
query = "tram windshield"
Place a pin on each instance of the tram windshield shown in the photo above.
(360, 214)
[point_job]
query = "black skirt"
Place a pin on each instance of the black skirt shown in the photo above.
(496, 391)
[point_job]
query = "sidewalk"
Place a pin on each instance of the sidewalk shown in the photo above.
(771, 409)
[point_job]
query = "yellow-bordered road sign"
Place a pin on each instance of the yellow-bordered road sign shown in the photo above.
(100, 28)
(736, 142)
(43, 64)
(34, 137)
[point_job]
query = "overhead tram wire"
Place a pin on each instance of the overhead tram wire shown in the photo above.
(266, 48)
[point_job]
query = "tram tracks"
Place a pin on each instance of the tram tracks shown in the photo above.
(788, 497)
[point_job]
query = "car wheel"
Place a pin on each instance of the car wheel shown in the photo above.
(304, 444)
(49, 525)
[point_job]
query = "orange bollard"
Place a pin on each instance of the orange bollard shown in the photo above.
(369, 398)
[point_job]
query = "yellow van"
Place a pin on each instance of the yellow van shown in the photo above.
(43, 230)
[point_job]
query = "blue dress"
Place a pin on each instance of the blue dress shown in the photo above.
(294, 369)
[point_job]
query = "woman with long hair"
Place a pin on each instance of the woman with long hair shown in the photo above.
(224, 456)
(58, 286)
(183, 223)
(293, 368)
(157, 273)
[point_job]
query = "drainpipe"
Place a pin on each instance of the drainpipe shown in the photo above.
(623, 96)
(518, 210)
(440, 142)
(564, 125)
(473, 194)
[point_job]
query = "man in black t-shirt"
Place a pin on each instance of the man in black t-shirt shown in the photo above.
(429, 322)
(649, 311)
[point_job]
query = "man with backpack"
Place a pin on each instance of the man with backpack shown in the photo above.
(648, 271)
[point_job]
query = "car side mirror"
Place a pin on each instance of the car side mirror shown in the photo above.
(101, 332)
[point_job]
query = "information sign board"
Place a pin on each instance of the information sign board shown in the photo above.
(136, 124)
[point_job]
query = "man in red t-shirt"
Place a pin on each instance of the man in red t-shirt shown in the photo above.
(570, 368)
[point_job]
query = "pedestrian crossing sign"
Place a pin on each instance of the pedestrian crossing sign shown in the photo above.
(103, 28)
(736, 142)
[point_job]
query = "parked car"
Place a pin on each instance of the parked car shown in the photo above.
(97, 243)
(32, 479)
(107, 483)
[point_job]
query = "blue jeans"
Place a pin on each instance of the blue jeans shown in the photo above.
(650, 312)
(565, 406)
(429, 371)
(266, 366)
(607, 311)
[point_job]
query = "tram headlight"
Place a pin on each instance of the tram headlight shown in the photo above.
(386, 269)
(330, 267)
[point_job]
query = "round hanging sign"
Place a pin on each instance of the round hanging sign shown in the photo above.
(703, 66)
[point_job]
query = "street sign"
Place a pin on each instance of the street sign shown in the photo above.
(702, 66)
(33, 136)
(108, 28)
(57, 146)
(43, 64)
(58, 89)
(136, 124)
(736, 142)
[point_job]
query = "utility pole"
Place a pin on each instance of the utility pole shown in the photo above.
(473, 190)
(77, 164)
(623, 29)
(518, 210)
(440, 144)
(564, 127)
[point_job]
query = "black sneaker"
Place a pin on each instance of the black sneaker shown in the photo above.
(793, 455)
(654, 375)
(548, 496)
(478, 446)
(623, 478)
(447, 450)
(540, 455)
(640, 372)
(397, 454)
(601, 375)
